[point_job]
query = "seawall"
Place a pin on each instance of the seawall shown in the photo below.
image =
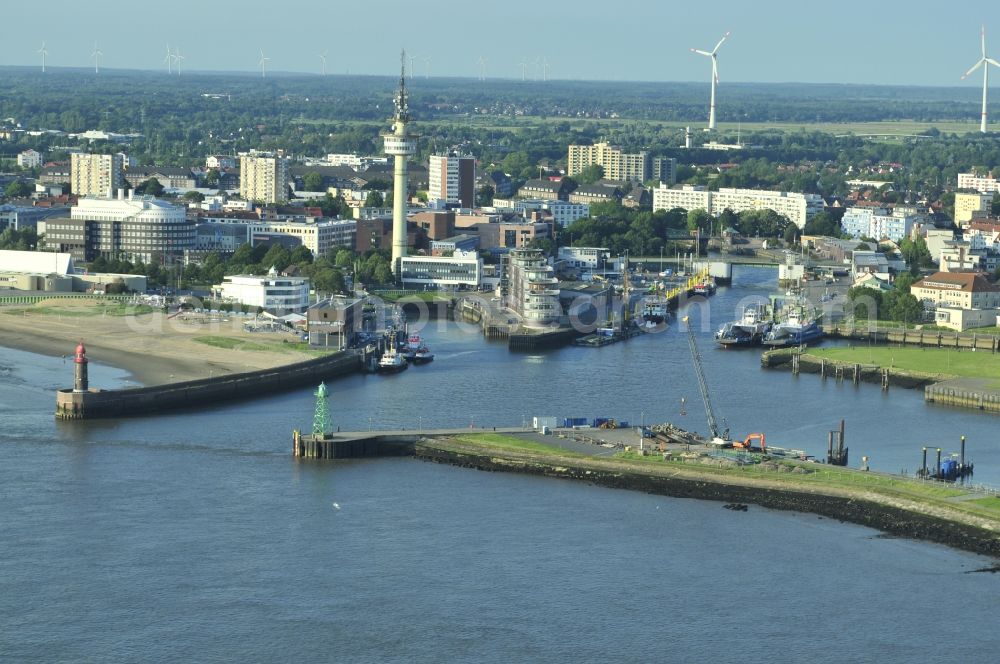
(93, 404)
(855, 508)
(792, 360)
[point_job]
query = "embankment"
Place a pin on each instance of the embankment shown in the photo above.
(900, 517)
(72, 405)
(796, 362)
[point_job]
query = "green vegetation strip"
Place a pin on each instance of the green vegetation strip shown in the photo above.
(236, 343)
(784, 474)
(117, 309)
(944, 362)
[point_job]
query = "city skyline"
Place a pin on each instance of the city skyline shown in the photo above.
(543, 42)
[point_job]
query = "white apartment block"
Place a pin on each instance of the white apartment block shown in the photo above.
(452, 178)
(878, 223)
(799, 208)
(563, 213)
(29, 159)
(95, 174)
(984, 185)
(352, 160)
(264, 178)
(967, 205)
(586, 258)
(617, 165)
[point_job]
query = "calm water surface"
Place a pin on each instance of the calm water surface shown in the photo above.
(197, 537)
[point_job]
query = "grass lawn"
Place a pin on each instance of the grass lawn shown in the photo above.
(236, 343)
(938, 361)
(513, 443)
(70, 311)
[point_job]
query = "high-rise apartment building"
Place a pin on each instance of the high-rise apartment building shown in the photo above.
(95, 174)
(452, 179)
(799, 208)
(617, 165)
(264, 177)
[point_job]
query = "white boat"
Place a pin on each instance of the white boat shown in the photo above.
(423, 355)
(749, 330)
(391, 362)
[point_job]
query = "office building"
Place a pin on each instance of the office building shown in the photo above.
(272, 293)
(463, 269)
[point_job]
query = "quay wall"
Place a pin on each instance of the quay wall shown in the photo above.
(928, 338)
(72, 405)
(852, 509)
(865, 373)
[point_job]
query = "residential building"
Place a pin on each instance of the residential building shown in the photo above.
(169, 178)
(135, 228)
(264, 177)
(452, 178)
(438, 224)
(878, 223)
(531, 288)
(273, 293)
(220, 161)
(617, 165)
(512, 235)
(563, 213)
(968, 205)
(318, 235)
(548, 190)
(798, 208)
(959, 300)
(56, 174)
(29, 159)
(956, 256)
(664, 170)
(984, 185)
(335, 321)
(594, 193)
(95, 174)
(463, 269)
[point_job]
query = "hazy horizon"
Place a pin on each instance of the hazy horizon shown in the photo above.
(783, 42)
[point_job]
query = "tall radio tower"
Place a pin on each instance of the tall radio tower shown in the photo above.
(401, 144)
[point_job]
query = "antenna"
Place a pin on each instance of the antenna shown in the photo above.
(322, 56)
(715, 76)
(985, 63)
(44, 53)
(96, 55)
(263, 63)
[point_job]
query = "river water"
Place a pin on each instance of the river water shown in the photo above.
(197, 538)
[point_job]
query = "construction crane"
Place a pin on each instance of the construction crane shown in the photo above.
(713, 428)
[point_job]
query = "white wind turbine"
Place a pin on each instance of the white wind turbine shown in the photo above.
(524, 69)
(96, 55)
(412, 58)
(169, 60)
(715, 76)
(427, 66)
(177, 58)
(545, 69)
(322, 56)
(263, 63)
(482, 68)
(985, 63)
(44, 53)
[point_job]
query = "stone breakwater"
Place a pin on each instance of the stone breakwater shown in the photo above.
(904, 519)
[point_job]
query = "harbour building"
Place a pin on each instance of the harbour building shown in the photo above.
(273, 293)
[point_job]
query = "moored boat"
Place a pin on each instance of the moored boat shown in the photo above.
(796, 329)
(391, 362)
(749, 330)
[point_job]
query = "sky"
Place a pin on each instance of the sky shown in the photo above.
(917, 42)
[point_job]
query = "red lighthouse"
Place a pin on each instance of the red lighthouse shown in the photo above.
(80, 383)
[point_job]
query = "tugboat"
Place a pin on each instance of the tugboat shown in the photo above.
(391, 362)
(796, 329)
(749, 330)
(423, 355)
(655, 309)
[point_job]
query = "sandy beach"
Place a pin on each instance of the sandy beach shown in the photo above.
(153, 347)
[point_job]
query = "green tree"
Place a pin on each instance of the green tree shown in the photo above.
(344, 259)
(193, 196)
(17, 189)
(312, 181)
(301, 255)
(151, 187)
(374, 199)
(699, 220)
(383, 274)
(277, 257)
(212, 177)
(590, 174)
(484, 195)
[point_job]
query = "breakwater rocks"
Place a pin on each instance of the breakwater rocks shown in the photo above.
(856, 509)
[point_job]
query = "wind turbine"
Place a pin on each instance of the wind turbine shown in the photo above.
(985, 63)
(263, 63)
(178, 57)
(169, 60)
(96, 55)
(322, 56)
(524, 69)
(715, 76)
(413, 71)
(537, 63)
(427, 66)
(44, 53)
(545, 69)
(482, 68)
